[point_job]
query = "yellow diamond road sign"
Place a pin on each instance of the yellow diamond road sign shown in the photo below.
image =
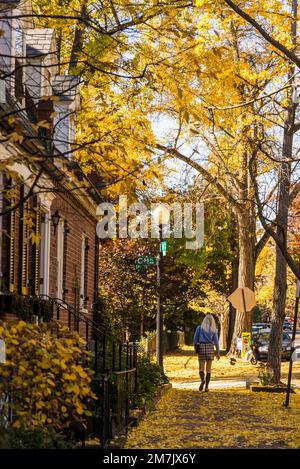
(243, 299)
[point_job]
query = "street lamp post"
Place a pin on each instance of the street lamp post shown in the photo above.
(159, 304)
(289, 382)
(161, 217)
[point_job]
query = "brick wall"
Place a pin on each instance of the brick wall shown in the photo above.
(79, 225)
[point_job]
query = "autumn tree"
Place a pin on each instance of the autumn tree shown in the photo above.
(128, 288)
(96, 42)
(216, 141)
(219, 74)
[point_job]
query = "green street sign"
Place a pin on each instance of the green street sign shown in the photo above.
(163, 247)
(144, 261)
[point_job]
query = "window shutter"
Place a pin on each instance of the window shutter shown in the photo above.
(24, 261)
(37, 257)
(86, 270)
(19, 87)
(12, 249)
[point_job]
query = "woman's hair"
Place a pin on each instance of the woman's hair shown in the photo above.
(209, 324)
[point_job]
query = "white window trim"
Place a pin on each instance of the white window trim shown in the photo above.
(60, 259)
(1, 225)
(45, 254)
(82, 273)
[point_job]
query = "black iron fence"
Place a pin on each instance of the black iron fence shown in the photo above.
(114, 362)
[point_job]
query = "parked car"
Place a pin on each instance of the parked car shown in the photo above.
(287, 326)
(257, 327)
(261, 344)
(290, 333)
(260, 325)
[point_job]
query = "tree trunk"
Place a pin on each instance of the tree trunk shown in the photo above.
(232, 310)
(280, 286)
(279, 296)
(246, 227)
(78, 40)
(224, 322)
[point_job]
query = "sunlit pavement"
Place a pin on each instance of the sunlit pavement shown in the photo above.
(182, 369)
(221, 384)
(230, 415)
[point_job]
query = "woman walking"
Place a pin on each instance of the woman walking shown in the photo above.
(205, 338)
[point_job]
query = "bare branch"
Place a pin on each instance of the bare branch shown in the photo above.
(204, 172)
(270, 39)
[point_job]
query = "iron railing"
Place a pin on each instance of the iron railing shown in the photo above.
(113, 361)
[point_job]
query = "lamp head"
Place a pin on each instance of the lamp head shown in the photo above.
(55, 220)
(161, 215)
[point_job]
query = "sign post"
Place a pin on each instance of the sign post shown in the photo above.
(2, 352)
(243, 299)
(293, 349)
(163, 248)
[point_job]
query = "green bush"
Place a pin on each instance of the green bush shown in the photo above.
(35, 439)
(149, 380)
(264, 375)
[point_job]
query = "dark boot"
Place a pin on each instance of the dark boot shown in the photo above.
(202, 381)
(207, 380)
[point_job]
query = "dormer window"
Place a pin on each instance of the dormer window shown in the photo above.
(65, 87)
(19, 41)
(13, 24)
(41, 62)
(19, 62)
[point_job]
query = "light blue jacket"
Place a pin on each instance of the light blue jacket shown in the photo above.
(206, 338)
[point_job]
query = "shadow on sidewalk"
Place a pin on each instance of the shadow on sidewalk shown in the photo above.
(230, 418)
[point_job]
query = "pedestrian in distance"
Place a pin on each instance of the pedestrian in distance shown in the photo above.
(238, 347)
(205, 339)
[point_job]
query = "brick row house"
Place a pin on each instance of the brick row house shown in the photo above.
(49, 247)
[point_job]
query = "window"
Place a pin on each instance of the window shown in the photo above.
(62, 129)
(19, 88)
(24, 246)
(37, 250)
(84, 272)
(8, 239)
(12, 252)
(1, 230)
(19, 41)
(60, 259)
(46, 83)
(44, 253)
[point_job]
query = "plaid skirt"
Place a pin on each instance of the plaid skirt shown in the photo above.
(206, 352)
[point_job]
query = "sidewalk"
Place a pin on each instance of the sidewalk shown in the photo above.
(219, 419)
(228, 416)
(214, 384)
